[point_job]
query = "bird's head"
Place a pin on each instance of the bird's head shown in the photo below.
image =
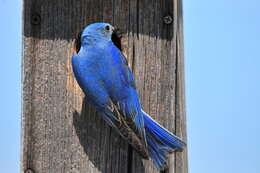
(98, 30)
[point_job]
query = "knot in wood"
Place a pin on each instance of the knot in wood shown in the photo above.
(167, 19)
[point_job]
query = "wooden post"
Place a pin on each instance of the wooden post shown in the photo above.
(61, 132)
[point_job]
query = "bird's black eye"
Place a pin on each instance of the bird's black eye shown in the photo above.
(107, 28)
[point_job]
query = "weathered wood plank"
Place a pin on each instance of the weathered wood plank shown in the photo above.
(61, 131)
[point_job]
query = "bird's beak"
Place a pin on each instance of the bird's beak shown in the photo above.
(115, 30)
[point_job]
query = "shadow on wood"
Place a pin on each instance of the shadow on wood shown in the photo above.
(68, 18)
(100, 151)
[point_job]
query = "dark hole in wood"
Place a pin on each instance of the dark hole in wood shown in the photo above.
(78, 42)
(116, 39)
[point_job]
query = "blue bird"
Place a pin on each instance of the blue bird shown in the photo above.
(102, 72)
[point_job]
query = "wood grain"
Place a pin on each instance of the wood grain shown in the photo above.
(61, 132)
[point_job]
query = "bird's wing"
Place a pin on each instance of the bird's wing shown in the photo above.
(128, 75)
(130, 106)
(126, 131)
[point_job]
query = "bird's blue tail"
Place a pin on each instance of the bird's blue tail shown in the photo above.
(160, 141)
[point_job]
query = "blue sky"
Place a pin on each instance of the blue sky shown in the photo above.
(222, 60)
(10, 88)
(222, 43)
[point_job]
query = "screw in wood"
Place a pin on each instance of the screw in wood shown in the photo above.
(167, 19)
(28, 171)
(35, 19)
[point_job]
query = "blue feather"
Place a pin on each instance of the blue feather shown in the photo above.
(160, 141)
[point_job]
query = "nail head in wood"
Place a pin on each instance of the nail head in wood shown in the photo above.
(28, 171)
(35, 19)
(167, 19)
